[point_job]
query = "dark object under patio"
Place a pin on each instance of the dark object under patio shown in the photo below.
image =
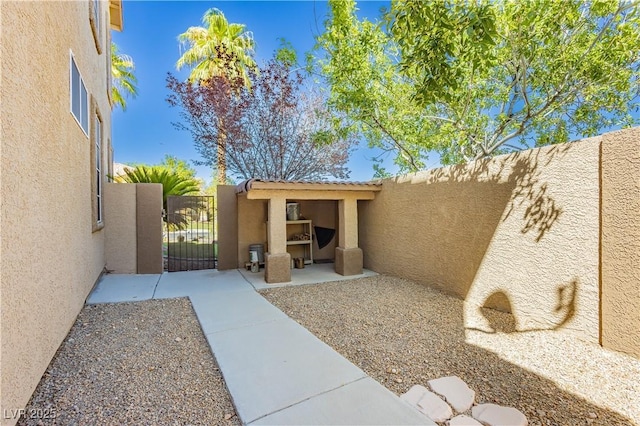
(324, 235)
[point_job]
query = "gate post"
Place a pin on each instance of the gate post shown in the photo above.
(149, 228)
(227, 227)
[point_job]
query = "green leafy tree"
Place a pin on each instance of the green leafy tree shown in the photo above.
(286, 54)
(123, 79)
(359, 62)
(481, 78)
(173, 184)
(219, 49)
(178, 166)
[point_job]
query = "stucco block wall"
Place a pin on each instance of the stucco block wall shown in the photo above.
(518, 232)
(50, 257)
(252, 228)
(121, 242)
(149, 228)
(133, 215)
(621, 241)
(227, 227)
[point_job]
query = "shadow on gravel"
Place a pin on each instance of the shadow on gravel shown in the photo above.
(382, 322)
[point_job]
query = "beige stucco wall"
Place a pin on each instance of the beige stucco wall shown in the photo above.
(133, 216)
(227, 225)
(252, 229)
(149, 228)
(121, 244)
(518, 232)
(50, 258)
(621, 241)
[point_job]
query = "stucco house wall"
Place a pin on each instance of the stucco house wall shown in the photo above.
(51, 249)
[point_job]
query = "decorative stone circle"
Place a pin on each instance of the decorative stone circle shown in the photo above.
(494, 415)
(428, 403)
(463, 420)
(413, 395)
(454, 391)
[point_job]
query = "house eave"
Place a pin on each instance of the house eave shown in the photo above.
(115, 14)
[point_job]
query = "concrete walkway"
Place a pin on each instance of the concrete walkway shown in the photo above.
(277, 372)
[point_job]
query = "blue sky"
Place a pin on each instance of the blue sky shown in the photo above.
(144, 133)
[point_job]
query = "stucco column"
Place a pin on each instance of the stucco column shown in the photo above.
(348, 254)
(620, 241)
(277, 260)
(149, 227)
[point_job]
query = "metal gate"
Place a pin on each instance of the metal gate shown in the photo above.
(190, 235)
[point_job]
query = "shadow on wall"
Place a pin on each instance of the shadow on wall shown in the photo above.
(499, 314)
(524, 183)
(541, 211)
(450, 225)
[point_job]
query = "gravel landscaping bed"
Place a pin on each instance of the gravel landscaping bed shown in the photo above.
(134, 363)
(402, 333)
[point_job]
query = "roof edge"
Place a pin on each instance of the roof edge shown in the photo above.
(282, 185)
(115, 15)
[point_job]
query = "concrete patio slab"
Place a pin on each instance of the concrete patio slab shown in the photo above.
(310, 274)
(271, 366)
(181, 284)
(364, 401)
(221, 311)
(114, 288)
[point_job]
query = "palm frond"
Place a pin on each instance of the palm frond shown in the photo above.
(219, 49)
(172, 184)
(123, 79)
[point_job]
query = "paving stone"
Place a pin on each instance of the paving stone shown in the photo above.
(494, 415)
(428, 403)
(434, 407)
(414, 395)
(463, 420)
(455, 391)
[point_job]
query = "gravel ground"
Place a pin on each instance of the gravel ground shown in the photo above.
(133, 363)
(401, 334)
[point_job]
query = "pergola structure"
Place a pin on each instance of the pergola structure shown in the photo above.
(348, 256)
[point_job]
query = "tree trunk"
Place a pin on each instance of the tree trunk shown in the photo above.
(222, 158)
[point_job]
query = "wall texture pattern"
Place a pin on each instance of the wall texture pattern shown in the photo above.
(518, 233)
(50, 254)
(621, 241)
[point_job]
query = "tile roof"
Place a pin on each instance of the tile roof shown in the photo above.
(291, 184)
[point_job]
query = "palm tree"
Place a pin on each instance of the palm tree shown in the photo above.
(123, 80)
(218, 50)
(172, 184)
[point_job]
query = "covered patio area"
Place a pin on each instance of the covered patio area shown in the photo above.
(255, 212)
